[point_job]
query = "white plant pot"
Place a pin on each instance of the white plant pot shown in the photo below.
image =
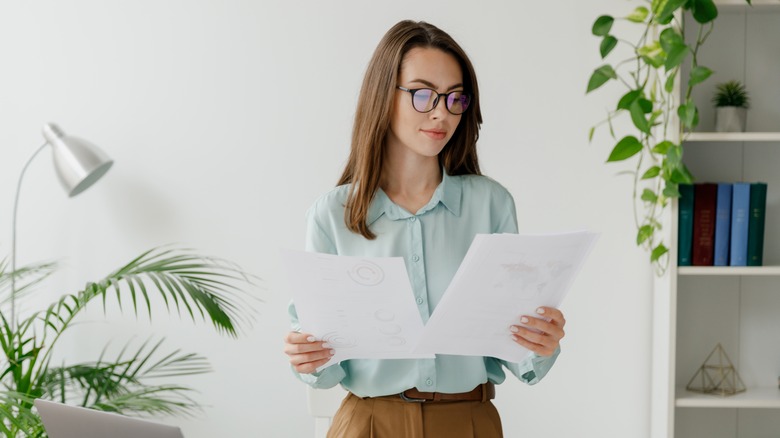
(730, 119)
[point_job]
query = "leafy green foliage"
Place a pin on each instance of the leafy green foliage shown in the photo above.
(731, 93)
(676, 50)
(625, 149)
(651, 102)
(607, 44)
(602, 25)
(132, 382)
(600, 76)
(638, 15)
(703, 11)
(698, 75)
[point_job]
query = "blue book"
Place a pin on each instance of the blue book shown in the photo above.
(722, 225)
(740, 213)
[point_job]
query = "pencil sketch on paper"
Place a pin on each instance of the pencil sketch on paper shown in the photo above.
(530, 277)
(363, 307)
(366, 273)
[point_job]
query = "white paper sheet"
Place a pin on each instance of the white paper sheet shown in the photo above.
(502, 277)
(362, 306)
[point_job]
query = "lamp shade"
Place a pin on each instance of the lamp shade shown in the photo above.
(79, 163)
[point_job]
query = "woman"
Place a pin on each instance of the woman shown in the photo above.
(412, 187)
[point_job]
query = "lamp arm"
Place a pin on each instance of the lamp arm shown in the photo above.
(13, 237)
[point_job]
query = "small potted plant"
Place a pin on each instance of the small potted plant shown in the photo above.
(731, 103)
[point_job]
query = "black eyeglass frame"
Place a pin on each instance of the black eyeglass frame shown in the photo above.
(436, 101)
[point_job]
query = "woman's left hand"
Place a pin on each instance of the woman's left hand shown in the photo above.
(538, 335)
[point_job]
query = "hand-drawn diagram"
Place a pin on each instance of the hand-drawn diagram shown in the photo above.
(529, 277)
(502, 277)
(384, 315)
(363, 307)
(389, 328)
(395, 341)
(366, 273)
(337, 340)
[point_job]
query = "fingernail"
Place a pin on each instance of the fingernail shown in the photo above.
(311, 339)
(540, 311)
(524, 320)
(332, 352)
(325, 345)
(514, 329)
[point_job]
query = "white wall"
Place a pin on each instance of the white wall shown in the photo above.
(227, 119)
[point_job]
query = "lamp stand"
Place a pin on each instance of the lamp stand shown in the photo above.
(13, 238)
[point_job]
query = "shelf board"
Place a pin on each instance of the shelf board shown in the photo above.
(729, 270)
(734, 136)
(731, 5)
(752, 398)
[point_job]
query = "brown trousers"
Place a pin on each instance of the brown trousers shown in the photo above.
(392, 417)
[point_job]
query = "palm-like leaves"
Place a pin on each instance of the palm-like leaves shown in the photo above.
(205, 288)
(26, 278)
(123, 384)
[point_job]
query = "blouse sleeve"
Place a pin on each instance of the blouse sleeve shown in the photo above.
(317, 240)
(535, 367)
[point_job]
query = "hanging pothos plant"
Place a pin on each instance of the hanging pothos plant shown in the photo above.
(649, 76)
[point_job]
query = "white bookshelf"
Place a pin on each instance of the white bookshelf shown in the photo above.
(741, 271)
(698, 307)
(753, 398)
(733, 136)
(737, 5)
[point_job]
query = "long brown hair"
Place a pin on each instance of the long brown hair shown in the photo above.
(374, 108)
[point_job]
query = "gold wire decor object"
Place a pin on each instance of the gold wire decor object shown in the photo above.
(717, 377)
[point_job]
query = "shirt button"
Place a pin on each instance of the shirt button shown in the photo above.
(415, 258)
(429, 382)
(412, 219)
(419, 300)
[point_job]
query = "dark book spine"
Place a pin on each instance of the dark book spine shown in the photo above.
(704, 204)
(685, 225)
(755, 241)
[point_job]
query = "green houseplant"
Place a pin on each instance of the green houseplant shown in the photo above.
(649, 76)
(731, 102)
(134, 381)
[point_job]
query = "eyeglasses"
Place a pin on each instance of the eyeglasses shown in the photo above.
(424, 100)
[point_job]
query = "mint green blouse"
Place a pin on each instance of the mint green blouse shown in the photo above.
(433, 242)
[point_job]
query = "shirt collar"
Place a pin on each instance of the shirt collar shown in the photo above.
(448, 193)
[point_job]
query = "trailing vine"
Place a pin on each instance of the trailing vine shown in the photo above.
(651, 101)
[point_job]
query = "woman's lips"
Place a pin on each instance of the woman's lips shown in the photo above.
(434, 134)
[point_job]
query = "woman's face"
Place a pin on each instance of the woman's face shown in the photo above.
(424, 134)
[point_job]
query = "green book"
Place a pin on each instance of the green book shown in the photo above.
(755, 243)
(685, 225)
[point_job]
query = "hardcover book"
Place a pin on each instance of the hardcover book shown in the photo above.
(704, 204)
(722, 225)
(685, 225)
(756, 219)
(740, 206)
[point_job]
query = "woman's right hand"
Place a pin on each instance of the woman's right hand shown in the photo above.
(306, 352)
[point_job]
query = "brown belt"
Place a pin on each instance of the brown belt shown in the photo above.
(483, 393)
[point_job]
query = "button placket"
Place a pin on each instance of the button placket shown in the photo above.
(417, 269)
(427, 367)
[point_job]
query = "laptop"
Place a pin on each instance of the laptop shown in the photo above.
(63, 421)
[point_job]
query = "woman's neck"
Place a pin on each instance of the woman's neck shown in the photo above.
(410, 182)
